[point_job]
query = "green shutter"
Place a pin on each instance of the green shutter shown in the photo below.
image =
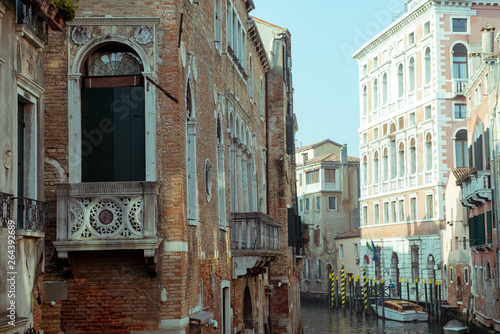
(489, 229)
(472, 231)
(481, 230)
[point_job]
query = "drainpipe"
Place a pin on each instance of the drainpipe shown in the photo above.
(493, 167)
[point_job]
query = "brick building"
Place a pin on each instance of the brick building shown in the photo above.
(168, 132)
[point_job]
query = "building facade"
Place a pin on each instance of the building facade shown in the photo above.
(23, 211)
(473, 287)
(169, 204)
(327, 192)
(413, 110)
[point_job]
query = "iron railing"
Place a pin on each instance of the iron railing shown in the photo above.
(254, 231)
(26, 15)
(31, 214)
(7, 3)
(5, 208)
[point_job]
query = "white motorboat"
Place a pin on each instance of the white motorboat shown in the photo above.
(401, 310)
(455, 327)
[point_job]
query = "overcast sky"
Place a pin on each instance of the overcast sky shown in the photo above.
(325, 34)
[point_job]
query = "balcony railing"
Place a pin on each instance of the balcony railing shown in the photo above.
(428, 177)
(459, 86)
(31, 214)
(27, 16)
(5, 208)
(7, 3)
(476, 189)
(107, 216)
(254, 233)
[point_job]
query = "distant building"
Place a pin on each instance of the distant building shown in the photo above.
(413, 131)
(327, 192)
(347, 245)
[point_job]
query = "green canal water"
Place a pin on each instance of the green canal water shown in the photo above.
(318, 318)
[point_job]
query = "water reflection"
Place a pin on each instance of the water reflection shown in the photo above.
(317, 318)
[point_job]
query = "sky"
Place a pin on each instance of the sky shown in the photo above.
(325, 34)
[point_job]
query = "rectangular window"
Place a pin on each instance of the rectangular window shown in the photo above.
(365, 215)
(411, 38)
(318, 268)
(386, 213)
(413, 208)
(412, 118)
(329, 175)
(429, 206)
(466, 275)
(401, 212)
(355, 251)
(341, 251)
(428, 112)
(364, 69)
(318, 203)
(317, 235)
(460, 110)
(459, 25)
(332, 203)
(427, 28)
(300, 180)
(375, 134)
(376, 216)
(393, 212)
(307, 204)
(375, 62)
(307, 269)
(312, 177)
(300, 205)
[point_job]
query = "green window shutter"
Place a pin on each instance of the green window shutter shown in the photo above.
(489, 229)
(472, 231)
(481, 230)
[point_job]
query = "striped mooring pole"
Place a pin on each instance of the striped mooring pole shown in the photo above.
(365, 288)
(332, 286)
(343, 285)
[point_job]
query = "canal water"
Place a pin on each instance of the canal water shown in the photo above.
(318, 318)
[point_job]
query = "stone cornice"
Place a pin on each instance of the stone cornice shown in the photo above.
(392, 30)
(114, 21)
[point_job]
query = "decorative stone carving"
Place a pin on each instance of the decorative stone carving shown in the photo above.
(7, 156)
(143, 35)
(80, 35)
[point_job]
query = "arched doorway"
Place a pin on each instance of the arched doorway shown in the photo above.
(247, 311)
(113, 116)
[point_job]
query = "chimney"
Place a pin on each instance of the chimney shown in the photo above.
(343, 158)
(488, 40)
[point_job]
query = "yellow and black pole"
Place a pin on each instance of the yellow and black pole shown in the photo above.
(365, 288)
(332, 286)
(343, 285)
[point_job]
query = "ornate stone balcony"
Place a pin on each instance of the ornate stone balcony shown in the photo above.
(107, 216)
(459, 86)
(476, 187)
(255, 239)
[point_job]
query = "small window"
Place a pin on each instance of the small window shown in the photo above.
(429, 206)
(375, 134)
(413, 209)
(466, 275)
(307, 204)
(386, 213)
(459, 25)
(411, 38)
(312, 177)
(364, 69)
(460, 110)
(428, 112)
(301, 207)
(341, 251)
(329, 175)
(300, 180)
(355, 251)
(427, 28)
(318, 203)
(332, 203)
(412, 118)
(375, 62)
(401, 209)
(365, 215)
(376, 215)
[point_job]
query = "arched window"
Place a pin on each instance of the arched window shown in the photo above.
(411, 70)
(413, 157)
(365, 100)
(375, 94)
(250, 76)
(460, 61)
(428, 152)
(461, 159)
(365, 172)
(113, 128)
(401, 159)
(478, 146)
(191, 172)
(400, 81)
(427, 65)
(386, 164)
(384, 89)
(375, 168)
(392, 147)
(218, 24)
(261, 98)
